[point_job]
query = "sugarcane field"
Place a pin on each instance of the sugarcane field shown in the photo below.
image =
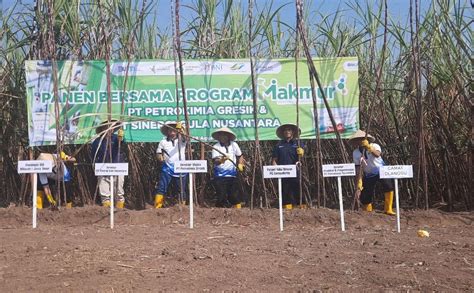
(221, 145)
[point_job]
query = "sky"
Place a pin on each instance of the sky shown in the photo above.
(398, 9)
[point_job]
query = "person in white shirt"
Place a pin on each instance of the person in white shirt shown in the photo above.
(171, 149)
(228, 159)
(368, 160)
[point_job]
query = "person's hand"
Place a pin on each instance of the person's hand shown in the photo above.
(120, 134)
(65, 157)
(179, 127)
(240, 167)
(300, 151)
(51, 200)
(223, 159)
(359, 185)
(365, 144)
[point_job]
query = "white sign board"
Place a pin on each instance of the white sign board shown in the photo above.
(111, 169)
(35, 167)
(191, 166)
(338, 170)
(396, 171)
(279, 171)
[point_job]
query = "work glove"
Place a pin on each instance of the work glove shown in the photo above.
(65, 157)
(240, 167)
(365, 144)
(51, 200)
(300, 151)
(359, 185)
(223, 159)
(120, 133)
(179, 127)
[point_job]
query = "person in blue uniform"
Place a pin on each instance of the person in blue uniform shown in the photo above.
(288, 152)
(170, 150)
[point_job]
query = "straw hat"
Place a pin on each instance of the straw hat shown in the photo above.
(166, 127)
(105, 124)
(279, 131)
(46, 157)
(224, 131)
(50, 157)
(361, 134)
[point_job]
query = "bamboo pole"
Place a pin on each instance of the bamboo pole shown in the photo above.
(315, 74)
(298, 25)
(257, 158)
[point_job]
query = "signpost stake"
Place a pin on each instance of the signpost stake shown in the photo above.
(280, 204)
(35, 197)
(111, 202)
(396, 172)
(191, 205)
(280, 171)
(34, 167)
(190, 167)
(397, 202)
(339, 170)
(341, 206)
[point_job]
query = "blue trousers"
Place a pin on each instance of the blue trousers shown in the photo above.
(166, 181)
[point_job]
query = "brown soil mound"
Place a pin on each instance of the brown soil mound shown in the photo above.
(75, 250)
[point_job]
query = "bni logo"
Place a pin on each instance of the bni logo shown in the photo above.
(351, 66)
(212, 66)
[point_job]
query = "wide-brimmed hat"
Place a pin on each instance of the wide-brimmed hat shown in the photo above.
(361, 134)
(45, 157)
(279, 131)
(166, 127)
(105, 124)
(48, 157)
(223, 131)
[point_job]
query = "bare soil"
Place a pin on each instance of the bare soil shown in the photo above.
(233, 250)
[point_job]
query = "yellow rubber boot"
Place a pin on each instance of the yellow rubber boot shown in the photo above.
(106, 204)
(69, 205)
(159, 201)
(389, 203)
(368, 207)
(288, 206)
(39, 199)
(238, 206)
(120, 204)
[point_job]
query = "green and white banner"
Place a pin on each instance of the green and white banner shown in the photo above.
(218, 94)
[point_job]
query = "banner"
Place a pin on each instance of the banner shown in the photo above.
(218, 94)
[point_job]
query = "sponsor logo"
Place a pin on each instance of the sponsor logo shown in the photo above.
(268, 67)
(351, 65)
(214, 66)
(237, 66)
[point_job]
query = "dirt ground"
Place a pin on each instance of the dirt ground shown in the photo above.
(233, 250)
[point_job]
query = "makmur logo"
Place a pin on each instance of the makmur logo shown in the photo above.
(287, 93)
(340, 84)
